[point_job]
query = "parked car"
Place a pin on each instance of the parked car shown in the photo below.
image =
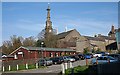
(45, 62)
(116, 56)
(107, 53)
(98, 54)
(103, 60)
(57, 60)
(67, 59)
(75, 57)
(81, 56)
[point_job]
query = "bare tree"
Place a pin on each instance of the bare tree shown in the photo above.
(51, 41)
(30, 41)
(16, 41)
(7, 47)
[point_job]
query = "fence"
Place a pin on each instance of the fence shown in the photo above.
(19, 64)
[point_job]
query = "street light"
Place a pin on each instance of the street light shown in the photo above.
(41, 48)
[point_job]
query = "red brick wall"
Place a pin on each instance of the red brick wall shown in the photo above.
(36, 54)
(26, 54)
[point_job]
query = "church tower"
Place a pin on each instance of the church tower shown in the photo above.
(112, 32)
(48, 27)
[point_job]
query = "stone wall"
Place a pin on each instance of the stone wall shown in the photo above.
(100, 44)
(107, 42)
(82, 43)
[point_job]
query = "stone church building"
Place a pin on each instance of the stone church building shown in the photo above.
(74, 40)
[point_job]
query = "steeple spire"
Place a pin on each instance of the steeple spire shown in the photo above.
(48, 28)
(48, 12)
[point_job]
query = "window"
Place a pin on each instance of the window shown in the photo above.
(51, 54)
(56, 54)
(60, 53)
(15, 56)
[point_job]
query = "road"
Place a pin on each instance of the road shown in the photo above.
(50, 69)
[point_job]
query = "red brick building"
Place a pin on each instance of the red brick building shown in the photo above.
(38, 52)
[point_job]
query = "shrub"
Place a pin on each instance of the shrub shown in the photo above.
(76, 70)
(86, 50)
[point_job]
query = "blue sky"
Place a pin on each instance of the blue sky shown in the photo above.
(28, 18)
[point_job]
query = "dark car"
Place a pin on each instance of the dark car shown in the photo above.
(75, 57)
(116, 56)
(68, 59)
(45, 62)
(57, 60)
(104, 60)
(81, 56)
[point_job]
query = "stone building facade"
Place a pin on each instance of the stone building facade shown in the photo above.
(92, 43)
(72, 39)
(82, 43)
(68, 39)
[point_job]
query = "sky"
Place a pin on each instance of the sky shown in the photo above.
(60, 0)
(28, 18)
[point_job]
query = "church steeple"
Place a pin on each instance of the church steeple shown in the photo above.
(112, 29)
(48, 28)
(48, 13)
(112, 32)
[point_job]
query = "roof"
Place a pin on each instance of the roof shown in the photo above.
(43, 48)
(48, 49)
(117, 30)
(93, 45)
(106, 37)
(64, 34)
(94, 38)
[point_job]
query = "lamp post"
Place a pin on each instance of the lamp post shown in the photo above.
(41, 48)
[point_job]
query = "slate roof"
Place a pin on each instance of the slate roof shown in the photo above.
(43, 48)
(48, 49)
(107, 37)
(93, 45)
(64, 34)
(94, 38)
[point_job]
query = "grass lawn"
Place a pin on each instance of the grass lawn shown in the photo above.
(80, 70)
